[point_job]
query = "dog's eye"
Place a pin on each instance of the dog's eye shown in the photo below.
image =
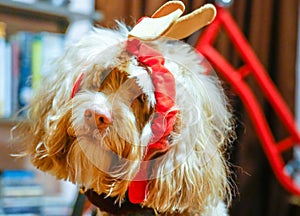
(142, 98)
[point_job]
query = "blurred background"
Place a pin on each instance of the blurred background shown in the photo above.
(270, 26)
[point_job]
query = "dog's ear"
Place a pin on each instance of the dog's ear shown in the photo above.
(50, 153)
(194, 172)
(44, 129)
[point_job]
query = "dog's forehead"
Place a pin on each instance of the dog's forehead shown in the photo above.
(179, 58)
(141, 75)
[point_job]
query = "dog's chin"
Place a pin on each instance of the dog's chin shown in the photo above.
(94, 166)
(106, 161)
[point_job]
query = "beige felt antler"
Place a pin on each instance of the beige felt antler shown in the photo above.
(167, 8)
(166, 21)
(150, 28)
(188, 24)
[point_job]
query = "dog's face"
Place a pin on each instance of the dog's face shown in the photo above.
(106, 124)
(96, 134)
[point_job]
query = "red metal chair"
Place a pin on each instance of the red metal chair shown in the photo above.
(235, 77)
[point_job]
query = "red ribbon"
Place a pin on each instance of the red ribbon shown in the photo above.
(76, 85)
(164, 120)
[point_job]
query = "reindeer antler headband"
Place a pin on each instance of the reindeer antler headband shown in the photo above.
(165, 22)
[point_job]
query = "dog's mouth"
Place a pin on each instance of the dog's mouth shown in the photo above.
(114, 149)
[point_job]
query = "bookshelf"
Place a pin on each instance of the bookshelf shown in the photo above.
(41, 18)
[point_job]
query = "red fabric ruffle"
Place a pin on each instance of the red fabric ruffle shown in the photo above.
(165, 116)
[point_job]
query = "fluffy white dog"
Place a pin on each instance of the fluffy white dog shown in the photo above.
(138, 121)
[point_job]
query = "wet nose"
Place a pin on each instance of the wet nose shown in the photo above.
(101, 119)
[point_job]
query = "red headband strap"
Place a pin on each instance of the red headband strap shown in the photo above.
(164, 120)
(76, 85)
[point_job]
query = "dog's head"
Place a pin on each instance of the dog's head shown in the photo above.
(111, 115)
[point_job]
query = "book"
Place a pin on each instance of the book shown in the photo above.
(15, 74)
(45, 48)
(2, 67)
(36, 63)
(7, 108)
(20, 192)
(25, 40)
(12, 205)
(53, 46)
(5, 75)
(83, 7)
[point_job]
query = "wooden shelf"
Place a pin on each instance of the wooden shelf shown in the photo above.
(8, 121)
(42, 9)
(40, 16)
(9, 146)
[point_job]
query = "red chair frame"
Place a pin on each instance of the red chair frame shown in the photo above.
(235, 77)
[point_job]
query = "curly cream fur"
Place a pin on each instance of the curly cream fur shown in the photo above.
(192, 176)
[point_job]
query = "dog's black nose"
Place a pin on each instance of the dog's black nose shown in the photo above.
(100, 119)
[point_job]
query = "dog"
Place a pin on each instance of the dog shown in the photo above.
(138, 121)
